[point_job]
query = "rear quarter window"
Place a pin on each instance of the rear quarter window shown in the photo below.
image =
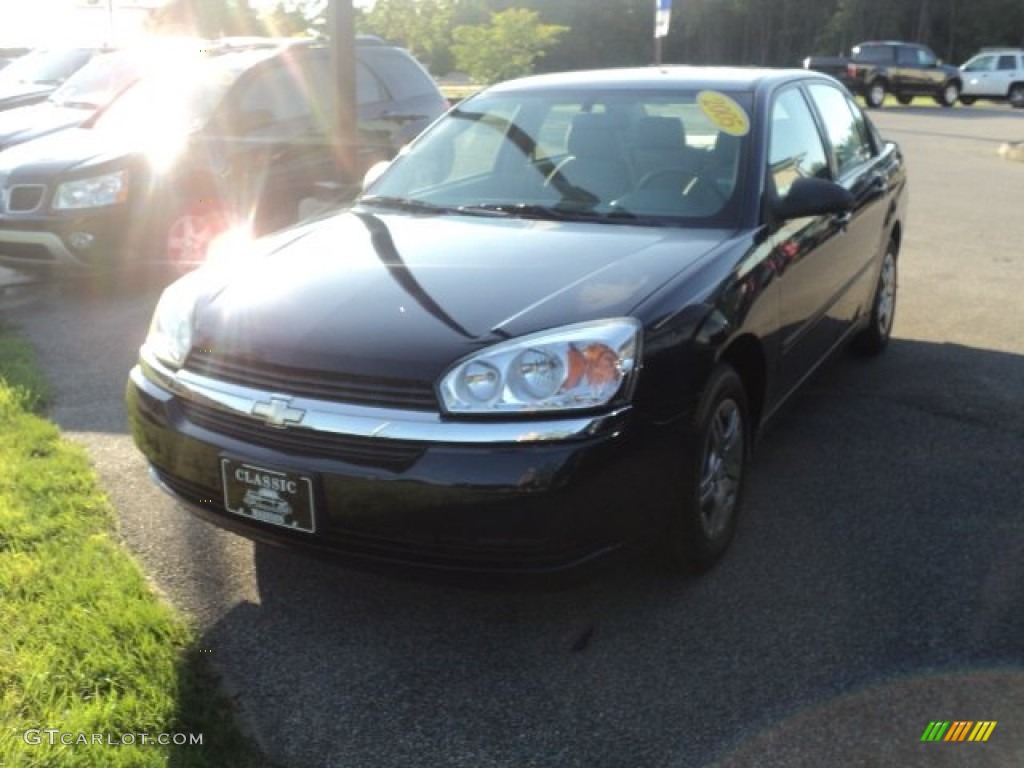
(402, 76)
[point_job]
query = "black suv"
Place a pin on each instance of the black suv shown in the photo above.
(236, 140)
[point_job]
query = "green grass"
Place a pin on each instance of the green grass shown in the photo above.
(86, 646)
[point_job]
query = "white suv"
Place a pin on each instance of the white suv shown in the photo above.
(996, 74)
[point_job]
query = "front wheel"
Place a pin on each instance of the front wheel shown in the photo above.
(967, 100)
(873, 339)
(1016, 96)
(715, 458)
(191, 230)
(904, 100)
(949, 94)
(875, 95)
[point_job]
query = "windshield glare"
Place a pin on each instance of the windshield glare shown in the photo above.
(178, 101)
(652, 155)
(46, 66)
(96, 82)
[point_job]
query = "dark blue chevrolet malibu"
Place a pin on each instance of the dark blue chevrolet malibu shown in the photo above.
(553, 326)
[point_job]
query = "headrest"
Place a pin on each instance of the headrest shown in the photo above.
(659, 133)
(592, 135)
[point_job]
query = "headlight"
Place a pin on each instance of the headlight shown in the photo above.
(95, 192)
(579, 366)
(170, 332)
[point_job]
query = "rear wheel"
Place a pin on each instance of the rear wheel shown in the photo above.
(875, 95)
(904, 100)
(715, 458)
(967, 100)
(949, 94)
(1016, 95)
(873, 339)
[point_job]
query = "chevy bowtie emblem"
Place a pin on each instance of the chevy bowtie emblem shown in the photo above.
(277, 413)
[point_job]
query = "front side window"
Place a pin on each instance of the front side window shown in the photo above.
(980, 64)
(848, 134)
(796, 150)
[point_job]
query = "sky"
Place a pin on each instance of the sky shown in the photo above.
(39, 22)
(36, 22)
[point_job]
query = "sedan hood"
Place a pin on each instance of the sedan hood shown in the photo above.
(405, 296)
(58, 153)
(27, 123)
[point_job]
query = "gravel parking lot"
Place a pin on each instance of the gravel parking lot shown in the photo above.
(876, 584)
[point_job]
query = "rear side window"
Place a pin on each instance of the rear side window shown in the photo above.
(276, 102)
(873, 54)
(403, 77)
(1007, 62)
(796, 150)
(847, 131)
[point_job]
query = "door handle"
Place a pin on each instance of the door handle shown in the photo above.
(842, 220)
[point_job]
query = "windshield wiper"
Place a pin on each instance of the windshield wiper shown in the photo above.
(559, 212)
(420, 206)
(403, 204)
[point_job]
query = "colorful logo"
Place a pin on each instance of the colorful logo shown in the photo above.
(958, 730)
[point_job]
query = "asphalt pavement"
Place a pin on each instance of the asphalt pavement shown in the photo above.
(876, 583)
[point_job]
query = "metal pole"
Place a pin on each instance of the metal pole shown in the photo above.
(341, 24)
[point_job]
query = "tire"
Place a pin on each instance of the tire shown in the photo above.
(904, 100)
(190, 231)
(875, 94)
(715, 454)
(1016, 96)
(967, 100)
(949, 94)
(875, 337)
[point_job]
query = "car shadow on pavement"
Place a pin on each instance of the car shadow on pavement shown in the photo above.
(876, 583)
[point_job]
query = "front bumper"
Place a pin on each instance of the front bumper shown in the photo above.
(409, 488)
(73, 239)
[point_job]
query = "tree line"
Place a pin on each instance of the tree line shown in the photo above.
(496, 39)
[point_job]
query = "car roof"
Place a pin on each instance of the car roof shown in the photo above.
(736, 79)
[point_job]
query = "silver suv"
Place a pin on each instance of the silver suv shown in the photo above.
(996, 74)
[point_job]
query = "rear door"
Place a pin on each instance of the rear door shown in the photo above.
(273, 129)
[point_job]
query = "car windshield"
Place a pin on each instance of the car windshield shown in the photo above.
(664, 157)
(46, 66)
(97, 82)
(178, 100)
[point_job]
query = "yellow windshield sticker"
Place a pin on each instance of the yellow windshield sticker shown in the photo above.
(726, 114)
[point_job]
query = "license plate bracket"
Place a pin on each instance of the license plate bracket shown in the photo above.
(270, 495)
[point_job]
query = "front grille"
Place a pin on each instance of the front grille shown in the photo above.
(391, 455)
(26, 251)
(375, 391)
(25, 197)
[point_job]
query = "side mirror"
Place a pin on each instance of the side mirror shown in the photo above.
(813, 197)
(374, 172)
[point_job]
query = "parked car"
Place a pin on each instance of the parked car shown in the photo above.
(235, 139)
(905, 70)
(994, 74)
(553, 326)
(91, 88)
(10, 55)
(31, 78)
